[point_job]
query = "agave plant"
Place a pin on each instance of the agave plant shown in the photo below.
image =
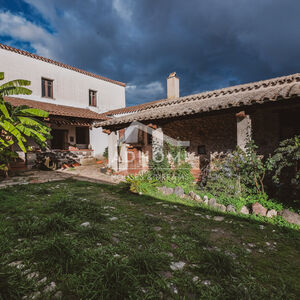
(17, 124)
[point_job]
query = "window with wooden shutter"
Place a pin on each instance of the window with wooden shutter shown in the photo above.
(92, 98)
(47, 88)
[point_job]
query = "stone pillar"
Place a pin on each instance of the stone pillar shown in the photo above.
(157, 143)
(244, 129)
(123, 165)
(113, 151)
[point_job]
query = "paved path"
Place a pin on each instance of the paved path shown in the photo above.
(85, 173)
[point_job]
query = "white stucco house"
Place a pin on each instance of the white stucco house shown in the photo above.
(73, 97)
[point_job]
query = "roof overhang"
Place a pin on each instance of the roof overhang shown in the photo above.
(269, 91)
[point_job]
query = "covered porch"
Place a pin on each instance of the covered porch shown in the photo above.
(210, 134)
(70, 130)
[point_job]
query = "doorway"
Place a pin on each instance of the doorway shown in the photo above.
(82, 137)
(60, 139)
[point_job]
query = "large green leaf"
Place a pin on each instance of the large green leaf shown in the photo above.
(34, 112)
(5, 144)
(15, 83)
(11, 129)
(1, 75)
(23, 129)
(34, 123)
(15, 91)
(3, 109)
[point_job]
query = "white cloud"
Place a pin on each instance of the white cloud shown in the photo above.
(122, 9)
(20, 29)
(144, 92)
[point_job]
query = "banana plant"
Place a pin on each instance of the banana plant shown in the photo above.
(17, 124)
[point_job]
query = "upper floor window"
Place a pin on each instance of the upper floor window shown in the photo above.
(92, 98)
(47, 88)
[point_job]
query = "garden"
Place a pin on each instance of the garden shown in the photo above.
(240, 182)
(80, 240)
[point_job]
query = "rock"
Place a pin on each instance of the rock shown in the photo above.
(165, 190)
(43, 280)
(166, 275)
(244, 210)
(221, 207)
(258, 209)
(271, 213)
(50, 288)
(157, 228)
(85, 161)
(178, 191)
(290, 216)
(17, 264)
(218, 218)
(175, 266)
(230, 208)
(198, 198)
(192, 194)
(205, 200)
(115, 240)
(212, 202)
(35, 295)
(32, 275)
(58, 295)
(85, 224)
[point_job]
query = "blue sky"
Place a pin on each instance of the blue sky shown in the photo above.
(209, 43)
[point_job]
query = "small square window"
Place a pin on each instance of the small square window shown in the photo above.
(47, 88)
(92, 98)
(201, 149)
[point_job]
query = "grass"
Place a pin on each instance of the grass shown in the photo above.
(132, 242)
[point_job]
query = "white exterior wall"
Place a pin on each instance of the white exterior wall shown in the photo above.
(98, 140)
(70, 88)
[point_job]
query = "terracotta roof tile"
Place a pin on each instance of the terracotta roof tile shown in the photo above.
(50, 61)
(275, 89)
(57, 110)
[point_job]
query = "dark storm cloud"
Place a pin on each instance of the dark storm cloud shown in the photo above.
(210, 43)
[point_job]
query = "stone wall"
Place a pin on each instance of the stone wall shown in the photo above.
(216, 133)
(265, 130)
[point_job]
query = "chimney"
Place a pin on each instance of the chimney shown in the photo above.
(173, 86)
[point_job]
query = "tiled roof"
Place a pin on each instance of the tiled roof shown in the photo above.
(275, 89)
(57, 110)
(50, 61)
(131, 109)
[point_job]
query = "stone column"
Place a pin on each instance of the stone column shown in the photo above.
(113, 150)
(157, 143)
(123, 165)
(244, 129)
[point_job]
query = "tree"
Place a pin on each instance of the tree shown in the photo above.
(17, 124)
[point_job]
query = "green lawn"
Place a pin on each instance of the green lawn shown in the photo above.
(134, 244)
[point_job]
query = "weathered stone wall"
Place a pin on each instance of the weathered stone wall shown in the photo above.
(217, 133)
(265, 129)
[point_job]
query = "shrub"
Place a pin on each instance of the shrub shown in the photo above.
(105, 153)
(159, 167)
(285, 171)
(141, 183)
(238, 178)
(264, 200)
